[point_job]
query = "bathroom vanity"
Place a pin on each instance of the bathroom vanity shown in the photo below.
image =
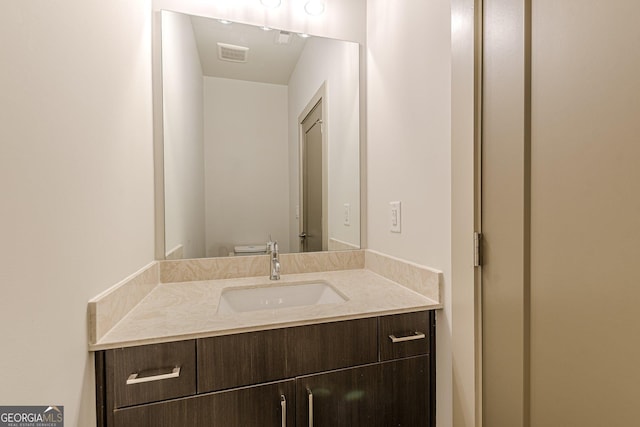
(375, 371)
(341, 339)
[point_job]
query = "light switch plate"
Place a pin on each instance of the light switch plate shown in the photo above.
(395, 217)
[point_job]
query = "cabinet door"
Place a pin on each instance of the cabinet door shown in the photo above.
(395, 393)
(405, 393)
(259, 406)
(344, 398)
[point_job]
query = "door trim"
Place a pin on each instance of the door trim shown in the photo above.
(466, 132)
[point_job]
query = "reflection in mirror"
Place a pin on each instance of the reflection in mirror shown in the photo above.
(237, 105)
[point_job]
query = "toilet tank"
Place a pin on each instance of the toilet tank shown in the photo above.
(241, 250)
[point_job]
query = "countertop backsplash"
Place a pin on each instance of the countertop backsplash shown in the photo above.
(178, 299)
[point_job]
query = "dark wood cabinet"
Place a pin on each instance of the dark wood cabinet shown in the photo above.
(349, 373)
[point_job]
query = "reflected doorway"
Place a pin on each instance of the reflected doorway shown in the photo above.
(312, 226)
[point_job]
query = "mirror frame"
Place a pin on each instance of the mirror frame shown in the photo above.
(158, 128)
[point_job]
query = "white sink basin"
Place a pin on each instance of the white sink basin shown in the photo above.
(240, 300)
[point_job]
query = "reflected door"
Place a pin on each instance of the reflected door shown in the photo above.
(311, 229)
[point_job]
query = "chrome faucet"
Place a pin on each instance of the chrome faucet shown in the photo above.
(275, 262)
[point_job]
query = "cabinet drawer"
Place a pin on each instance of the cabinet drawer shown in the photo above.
(241, 359)
(404, 335)
(152, 372)
(335, 345)
(256, 357)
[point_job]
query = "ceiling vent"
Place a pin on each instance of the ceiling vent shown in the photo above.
(233, 53)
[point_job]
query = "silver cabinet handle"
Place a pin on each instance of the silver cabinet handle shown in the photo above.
(133, 378)
(415, 336)
(310, 396)
(283, 407)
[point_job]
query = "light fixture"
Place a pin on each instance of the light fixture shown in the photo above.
(283, 37)
(304, 35)
(265, 28)
(224, 21)
(271, 3)
(314, 7)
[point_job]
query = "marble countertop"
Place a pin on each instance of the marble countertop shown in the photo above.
(187, 310)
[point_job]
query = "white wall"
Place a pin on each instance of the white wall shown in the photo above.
(245, 138)
(76, 181)
(183, 137)
(409, 147)
(335, 63)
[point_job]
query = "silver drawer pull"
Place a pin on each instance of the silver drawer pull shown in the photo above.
(310, 395)
(133, 378)
(415, 336)
(283, 406)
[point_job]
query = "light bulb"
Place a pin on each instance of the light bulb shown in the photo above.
(270, 3)
(314, 7)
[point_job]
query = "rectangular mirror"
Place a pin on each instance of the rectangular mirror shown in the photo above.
(261, 137)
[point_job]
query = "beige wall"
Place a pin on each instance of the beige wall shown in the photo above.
(409, 147)
(76, 182)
